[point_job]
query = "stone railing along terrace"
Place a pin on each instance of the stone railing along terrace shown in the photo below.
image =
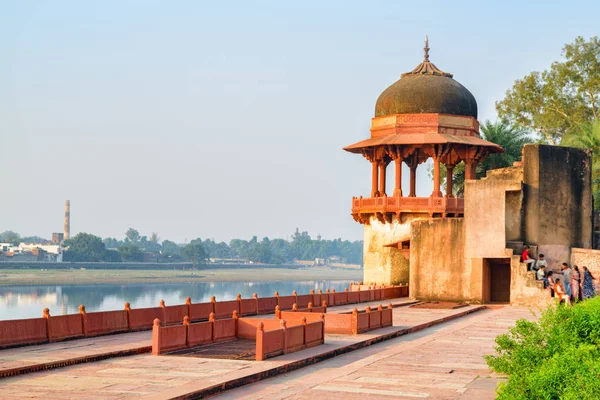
(87, 324)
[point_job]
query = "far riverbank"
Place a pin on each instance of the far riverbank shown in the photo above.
(96, 276)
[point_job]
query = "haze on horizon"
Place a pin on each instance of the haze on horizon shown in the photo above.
(227, 119)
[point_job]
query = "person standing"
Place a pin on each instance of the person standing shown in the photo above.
(566, 271)
(575, 282)
(587, 284)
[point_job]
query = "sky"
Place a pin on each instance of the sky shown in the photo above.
(227, 119)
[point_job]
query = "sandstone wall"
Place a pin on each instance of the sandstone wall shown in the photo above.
(558, 200)
(586, 258)
(485, 220)
(386, 265)
(439, 270)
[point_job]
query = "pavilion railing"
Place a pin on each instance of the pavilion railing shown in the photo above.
(396, 204)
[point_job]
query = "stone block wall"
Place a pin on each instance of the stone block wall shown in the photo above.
(387, 265)
(558, 200)
(586, 258)
(439, 269)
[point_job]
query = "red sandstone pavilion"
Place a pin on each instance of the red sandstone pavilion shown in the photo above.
(425, 114)
(465, 249)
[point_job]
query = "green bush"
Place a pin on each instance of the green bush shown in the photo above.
(557, 357)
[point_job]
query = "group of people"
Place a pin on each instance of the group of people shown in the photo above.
(575, 284)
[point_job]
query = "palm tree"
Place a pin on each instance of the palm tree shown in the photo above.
(510, 138)
(589, 138)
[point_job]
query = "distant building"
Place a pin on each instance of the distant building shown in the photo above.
(57, 237)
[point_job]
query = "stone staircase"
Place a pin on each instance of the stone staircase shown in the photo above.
(525, 289)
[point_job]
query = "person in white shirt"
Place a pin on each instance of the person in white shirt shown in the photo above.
(540, 275)
(541, 261)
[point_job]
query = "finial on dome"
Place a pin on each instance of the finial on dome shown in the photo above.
(427, 67)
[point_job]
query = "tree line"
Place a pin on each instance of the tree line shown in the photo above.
(135, 248)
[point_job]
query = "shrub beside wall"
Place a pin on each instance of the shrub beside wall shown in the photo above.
(557, 357)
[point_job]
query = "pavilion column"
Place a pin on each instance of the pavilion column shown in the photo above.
(436, 178)
(470, 169)
(413, 181)
(398, 188)
(374, 178)
(449, 171)
(382, 177)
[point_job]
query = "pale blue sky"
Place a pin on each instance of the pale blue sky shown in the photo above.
(227, 119)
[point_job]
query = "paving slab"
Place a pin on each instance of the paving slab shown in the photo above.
(441, 362)
(177, 377)
(27, 359)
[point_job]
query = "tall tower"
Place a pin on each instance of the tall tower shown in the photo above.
(67, 231)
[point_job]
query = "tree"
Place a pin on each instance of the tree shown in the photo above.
(561, 100)
(195, 251)
(33, 239)
(10, 237)
(170, 249)
(130, 252)
(132, 235)
(589, 138)
(154, 238)
(112, 243)
(84, 247)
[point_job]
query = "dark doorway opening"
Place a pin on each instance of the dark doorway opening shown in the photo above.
(497, 274)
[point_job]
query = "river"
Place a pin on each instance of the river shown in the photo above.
(18, 302)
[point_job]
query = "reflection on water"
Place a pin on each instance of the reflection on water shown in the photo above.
(18, 302)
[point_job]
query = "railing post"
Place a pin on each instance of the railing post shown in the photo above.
(128, 309)
(324, 306)
(355, 321)
(295, 294)
(238, 298)
(277, 312)
(276, 294)
(294, 307)
(310, 306)
(255, 296)
(322, 318)
(347, 297)
(260, 332)
(188, 302)
(213, 300)
(83, 319)
(283, 326)
(211, 318)
(312, 295)
(161, 304)
(46, 315)
(156, 337)
(234, 315)
(303, 321)
(368, 311)
(186, 322)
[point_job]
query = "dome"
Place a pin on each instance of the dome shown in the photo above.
(426, 89)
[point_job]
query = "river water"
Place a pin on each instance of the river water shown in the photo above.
(18, 302)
